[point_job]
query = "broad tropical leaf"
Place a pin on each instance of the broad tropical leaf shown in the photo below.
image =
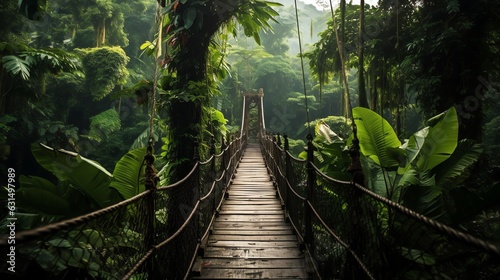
(322, 129)
(425, 199)
(40, 196)
(376, 136)
(84, 174)
(440, 141)
(374, 174)
(418, 256)
(455, 168)
(128, 176)
(17, 66)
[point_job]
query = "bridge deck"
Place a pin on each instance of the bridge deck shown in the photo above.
(250, 238)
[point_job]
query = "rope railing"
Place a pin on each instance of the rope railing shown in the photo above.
(118, 242)
(355, 233)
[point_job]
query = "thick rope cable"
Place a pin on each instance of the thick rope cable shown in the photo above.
(467, 238)
(29, 235)
(302, 67)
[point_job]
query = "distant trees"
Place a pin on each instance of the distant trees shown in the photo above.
(52, 93)
(435, 53)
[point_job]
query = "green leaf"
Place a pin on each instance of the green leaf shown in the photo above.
(17, 66)
(440, 141)
(42, 202)
(40, 196)
(189, 16)
(84, 174)
(129, 173)
(60, 243)
(376, 136)
(88, 236)
(422, 196)
(418, 256)
(455, 168)
(323, 130)
(103, 124)
(375, 176)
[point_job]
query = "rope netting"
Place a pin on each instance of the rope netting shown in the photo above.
(150, 236)
(352, 233)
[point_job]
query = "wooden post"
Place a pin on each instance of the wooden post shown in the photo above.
(288, 171)
(150, 184)
(311, 178)
(213, 172)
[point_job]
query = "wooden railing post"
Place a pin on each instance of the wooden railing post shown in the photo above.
(288, 171)
(150, 185)
(311, 178)
(213, 172)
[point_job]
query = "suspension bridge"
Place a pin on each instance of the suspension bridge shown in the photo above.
(253, 211)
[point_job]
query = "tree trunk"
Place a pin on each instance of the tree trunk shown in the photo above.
(344, 107)
(185, 122)
(363, 101)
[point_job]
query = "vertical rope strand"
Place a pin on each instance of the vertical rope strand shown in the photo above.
(342, 63)
(159, 22)
(302, 67)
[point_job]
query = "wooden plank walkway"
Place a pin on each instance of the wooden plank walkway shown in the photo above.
(250, 239)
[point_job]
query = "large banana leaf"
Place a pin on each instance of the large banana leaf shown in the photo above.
(84, 174)
(128, 176)
(376, 137)
(376, 180)
(40, 196)
(440, 141)
(421, 194)
(454, 169)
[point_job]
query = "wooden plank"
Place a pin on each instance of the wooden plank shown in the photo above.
(237, 244)
(250, 226)
(251, 207)
(251, 232)
(287, 237)
(260, 253)
(243, 201)
(251, 212)
(256, 218)
(289, 273)
(258, 263)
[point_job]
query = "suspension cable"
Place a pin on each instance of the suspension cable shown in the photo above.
(302, 67)
(151, 173)
(158, 52)
(342, 63)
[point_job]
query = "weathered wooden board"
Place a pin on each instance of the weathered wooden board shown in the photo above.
(250, 226)
(251, 201)
(259, 263)
(250, 238)
(251, 244)
(281, 237)
(253, 253)
(251, 232)
(253, 218)
(262, 209)
(288, 273)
